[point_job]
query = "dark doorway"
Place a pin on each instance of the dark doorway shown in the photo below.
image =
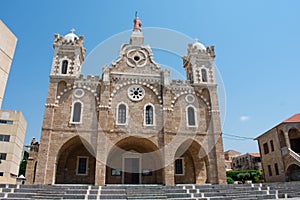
(295, 145)
(132, 169)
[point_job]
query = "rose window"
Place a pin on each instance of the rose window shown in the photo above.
(136, 93)
(78, 93)
(190, 98)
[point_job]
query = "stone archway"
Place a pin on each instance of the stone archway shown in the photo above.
(293, 173)
(134, 160)
(294, 136)
(75, 164)
(194, 164)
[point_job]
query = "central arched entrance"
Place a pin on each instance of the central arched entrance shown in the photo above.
(134, 160)
(75, 164)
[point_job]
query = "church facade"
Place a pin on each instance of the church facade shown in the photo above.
(134, 125)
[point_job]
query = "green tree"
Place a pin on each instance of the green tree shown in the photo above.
(23, 164)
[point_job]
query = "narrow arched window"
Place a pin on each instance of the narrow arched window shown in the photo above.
(121, 114)
(190, 77)
(149, 115)
(64, 67)
(76, 112)
(204, 75)
(191, 116)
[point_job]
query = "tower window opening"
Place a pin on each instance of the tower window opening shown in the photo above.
(190, 77)
(204, 75)
(64, 67)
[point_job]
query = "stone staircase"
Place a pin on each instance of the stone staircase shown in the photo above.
(285, 190)
(152, 192)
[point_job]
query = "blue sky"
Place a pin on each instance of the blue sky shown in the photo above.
(256, 42)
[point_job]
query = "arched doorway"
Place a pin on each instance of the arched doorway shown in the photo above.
(134, 160)
(75, 164)
(293, 173)
(294, 136)
(190, 166)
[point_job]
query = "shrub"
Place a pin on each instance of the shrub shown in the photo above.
(230, 180)
(242, 175)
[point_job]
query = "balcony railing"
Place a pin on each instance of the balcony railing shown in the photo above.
(295, 155)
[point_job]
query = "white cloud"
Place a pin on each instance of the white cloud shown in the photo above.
(244, 118)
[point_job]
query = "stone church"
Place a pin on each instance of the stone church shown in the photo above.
(132, 125)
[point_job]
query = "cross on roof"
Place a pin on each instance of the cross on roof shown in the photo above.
(72, 30)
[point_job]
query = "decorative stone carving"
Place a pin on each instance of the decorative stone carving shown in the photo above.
(136, 58)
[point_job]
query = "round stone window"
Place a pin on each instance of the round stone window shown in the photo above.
(136, 93)
(78, 93)
(190, 98)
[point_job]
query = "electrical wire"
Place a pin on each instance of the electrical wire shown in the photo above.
(236, 137)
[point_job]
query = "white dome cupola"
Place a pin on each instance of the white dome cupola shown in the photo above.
(198, 45)
(71, 36)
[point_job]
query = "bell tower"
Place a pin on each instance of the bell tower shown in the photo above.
(200, 72)
(68, 55)
(199, 64)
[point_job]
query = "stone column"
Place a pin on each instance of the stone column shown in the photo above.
(101, 159)
(100, 173)
(287, 139)
(169, 175)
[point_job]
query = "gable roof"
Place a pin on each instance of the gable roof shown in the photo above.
(231, 151)
(294, 118)
(254, 154)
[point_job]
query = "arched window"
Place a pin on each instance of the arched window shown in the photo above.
(76, 116)
(64, 67)
(204, 75)
(191, 116)
(122, 114)
(190, 77)
(149, 115)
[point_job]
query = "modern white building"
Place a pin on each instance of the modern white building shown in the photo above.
(12, 134)
(8, 43)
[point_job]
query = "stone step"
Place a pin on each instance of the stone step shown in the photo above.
(257, 197)
(113, 191)
(45, 197)
(178, 195)
(134, 192)
(16, 198)
(148, 197)
(71, 196)
(210, 194)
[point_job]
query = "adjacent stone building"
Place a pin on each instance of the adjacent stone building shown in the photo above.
(248, 161)
(134, 125)
(12, 134)
(228, 156)
(8, 43)
(280, 151)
